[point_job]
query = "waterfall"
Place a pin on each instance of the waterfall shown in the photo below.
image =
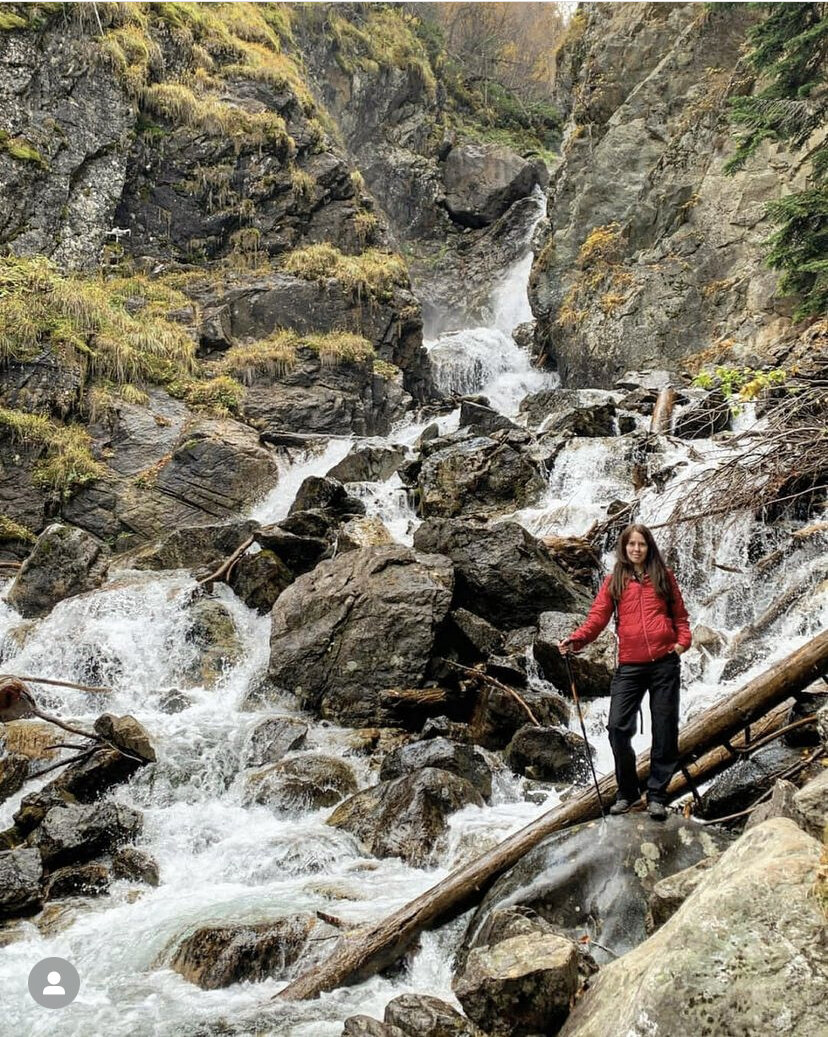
(223, 860)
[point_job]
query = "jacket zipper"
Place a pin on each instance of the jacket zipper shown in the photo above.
(643, 622)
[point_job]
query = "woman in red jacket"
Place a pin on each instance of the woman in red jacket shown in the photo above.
(652, 628)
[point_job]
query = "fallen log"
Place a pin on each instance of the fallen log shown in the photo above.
(661, 419)
(367, 951)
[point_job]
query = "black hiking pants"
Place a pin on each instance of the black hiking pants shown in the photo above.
(631, 681)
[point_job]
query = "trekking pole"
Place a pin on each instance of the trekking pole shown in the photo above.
(577, 700)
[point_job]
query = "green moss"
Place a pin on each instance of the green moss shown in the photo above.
(21, 149)
(386, 370)
(10, 21)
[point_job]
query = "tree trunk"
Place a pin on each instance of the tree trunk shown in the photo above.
(663, 410)
(363, 953)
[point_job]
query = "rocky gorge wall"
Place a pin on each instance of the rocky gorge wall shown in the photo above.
(652, 252)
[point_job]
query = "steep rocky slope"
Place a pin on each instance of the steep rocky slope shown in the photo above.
(653, 252)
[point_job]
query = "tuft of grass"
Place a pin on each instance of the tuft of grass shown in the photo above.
(302, 183)
(179, 104)
(386, 370)
(601, 245)
(68, 461)
(220, 396)
(338, 347)
(371, 275)
(273, 356)
(365, 224)
(11, 530)
(9, 21)
(112, 330)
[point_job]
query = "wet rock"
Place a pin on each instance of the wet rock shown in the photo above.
(363, 531)
(365, 1026)
(498, 716)
(484, 638)
(214, 634)
(33, 808)
(371, 461)
(258, 579)
(780, 804)
(547, 753)
(405, 817)
(126, 733)
(83, 880)
(521, 985)
(128, 862)
(811, 803)
(599, 882)
(670, 893)
(461, 760)
(307, 781)
(576, 412)
(477, 474)
(321, 493)
(740, 785)
(299, 553)
(358, 625)
(482, 418)
(174, 701)
(419, 1015)
(72, 833)
(706, 414)
(443, 727)
(808, 734)
(218, 956)
(717, 965)
(271, 739)
(64, 561)
(203, 548)
(592, 667)
(503, 573)
(652, 380)
(87, 780)
(709, 640)
(483, 180)
(14, 769)
(21, 880)
(312, 523)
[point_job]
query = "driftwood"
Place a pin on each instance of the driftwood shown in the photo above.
(223, 571)
(475, 674)
(364, 953)
(663, 410)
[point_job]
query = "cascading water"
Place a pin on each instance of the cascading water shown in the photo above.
(223, 859)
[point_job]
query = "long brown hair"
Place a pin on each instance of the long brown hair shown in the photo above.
(654, 565)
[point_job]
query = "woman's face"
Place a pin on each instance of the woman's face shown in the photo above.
(637, 549)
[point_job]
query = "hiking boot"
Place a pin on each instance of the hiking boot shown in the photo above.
(620, 806)
(657, 811)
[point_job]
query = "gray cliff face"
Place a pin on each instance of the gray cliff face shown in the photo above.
(652, 252)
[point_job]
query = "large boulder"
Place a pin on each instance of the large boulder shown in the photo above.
(72, 833)
(358, 625)
(306, 781)
(371, 461)
(322, 493)
(462, 760)
(420, 1015)
(521, 985)
(406, 816)
(218, 956)
(738, 787)
(599, 880)
(547, 753)
(592, 668)
(743, 955)
(577, 412)
(483, 180)
(498, 715)
(21, 882)
(468, 473)
(64, 561)
(258, 578)
(503, 573)
(192, 547)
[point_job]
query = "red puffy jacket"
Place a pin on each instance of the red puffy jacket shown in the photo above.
(648, 627)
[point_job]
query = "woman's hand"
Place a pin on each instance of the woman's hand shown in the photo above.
(679, 649)
(565, 646)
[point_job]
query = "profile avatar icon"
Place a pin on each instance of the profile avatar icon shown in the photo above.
(53, 989)
(54, 983)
